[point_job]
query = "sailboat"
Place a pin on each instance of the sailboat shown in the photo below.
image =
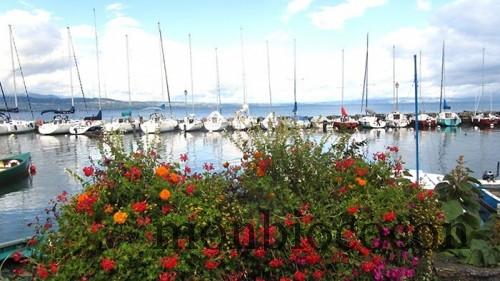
(92, 124)
(446, 117)
(190, 122)
(7, 124)
(125, 123)
(299, 121)
(271, 120)
(424, 119)
(370, 119)
(242, 120)
(485, 120)
(61, 123)
(395, 119)
(215, 121)
(344, 121)
(158, 123)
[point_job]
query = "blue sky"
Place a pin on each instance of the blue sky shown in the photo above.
(322, 28)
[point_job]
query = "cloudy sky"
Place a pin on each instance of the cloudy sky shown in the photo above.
(321, 28)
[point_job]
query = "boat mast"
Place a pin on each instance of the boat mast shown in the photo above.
(21, 71)
(365, 81)
(77, 70)
(13, 66)
(442, 81)
(243, 76)
(70, 66)
(161, 73)
(295, 78)
(394, 98)
(342, 86)
(97, 60)
(218, 81)
(128, 73)
(165, 70)
(269, 75)
(191, 73)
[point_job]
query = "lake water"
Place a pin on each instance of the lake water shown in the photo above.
(20, 203)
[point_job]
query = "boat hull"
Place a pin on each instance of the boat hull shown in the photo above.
(191, 125)
(215, 122)
(448, 119)
(86, 127)
(345, 123)
(10, 173)
(159, 126)
(55, 129)
(124, 127)
(485, 122)
(371, 122)
(17, 127)
(270, 122)
(242, 123)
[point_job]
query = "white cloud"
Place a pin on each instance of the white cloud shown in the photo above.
(294, 7)
(424, 5)
(334, 17)
(115, 8)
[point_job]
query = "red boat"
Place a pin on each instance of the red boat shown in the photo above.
(344, 121)
(483, 120)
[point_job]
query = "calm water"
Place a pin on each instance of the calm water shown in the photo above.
(20, 203)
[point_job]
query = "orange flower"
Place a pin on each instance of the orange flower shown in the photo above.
(174, 178)
(261, 172)
(165, 194)
(120, 217)
(257, 154)
(360, 181)
(162, 171)
(108, 209)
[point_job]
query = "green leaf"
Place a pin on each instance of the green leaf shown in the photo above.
(452, 209)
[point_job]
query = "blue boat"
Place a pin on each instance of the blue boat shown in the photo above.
(7, 249)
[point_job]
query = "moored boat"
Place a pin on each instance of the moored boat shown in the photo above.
(215, 121)
(158, 123)
(14, 168)
(446, 118)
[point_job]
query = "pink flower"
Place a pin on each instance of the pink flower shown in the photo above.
(184, 157)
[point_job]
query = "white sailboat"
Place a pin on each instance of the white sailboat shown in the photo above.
(190, 123)
(424, 119)
(370, 120)
(92, 124)
(7, 124)
(125, 123)
(344, 121)
(242, 119)
(215, 121)
(395, 119)
(446, 118)
(483, 119)
(158, 123)
(271, 120)
(61, 122)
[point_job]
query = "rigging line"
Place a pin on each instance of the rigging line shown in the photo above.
(13, 66)
(4, 100)
(97, 60)
(165, 70)
(22, 74)
(77, 70)
(191, 72)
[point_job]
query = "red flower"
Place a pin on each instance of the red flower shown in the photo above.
(42, 272)
(165, 209)
(364, 251)
(183, 157)
(307, 219)
(108, 264)
(96, 227)
(313, 258)
(167, 276)
(140, 207)
(149, 236)
(380, 156)
(62, 197)
(133, 174)
(394, 149)
(54, 267)
(361, 172)
(299, 276)
(211, 264)
(18, 271)
(318, 274)
(208, 166)
(389, 216)
(353, 209)
(181, 244)
(190, 189)
(169, 262)
(32, 242)
(367, 266)
(259, 252)
(233, 253)
(17, 256)
(275, 263)
(88, 171)
(289, 221)
(143, 221)
(210, 252)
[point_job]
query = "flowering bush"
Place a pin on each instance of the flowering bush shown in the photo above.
(293, 209)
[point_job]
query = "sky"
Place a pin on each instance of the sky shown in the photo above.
(239, 30)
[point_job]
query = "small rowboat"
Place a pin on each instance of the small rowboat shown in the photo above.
(9, 248)
(14, 168)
